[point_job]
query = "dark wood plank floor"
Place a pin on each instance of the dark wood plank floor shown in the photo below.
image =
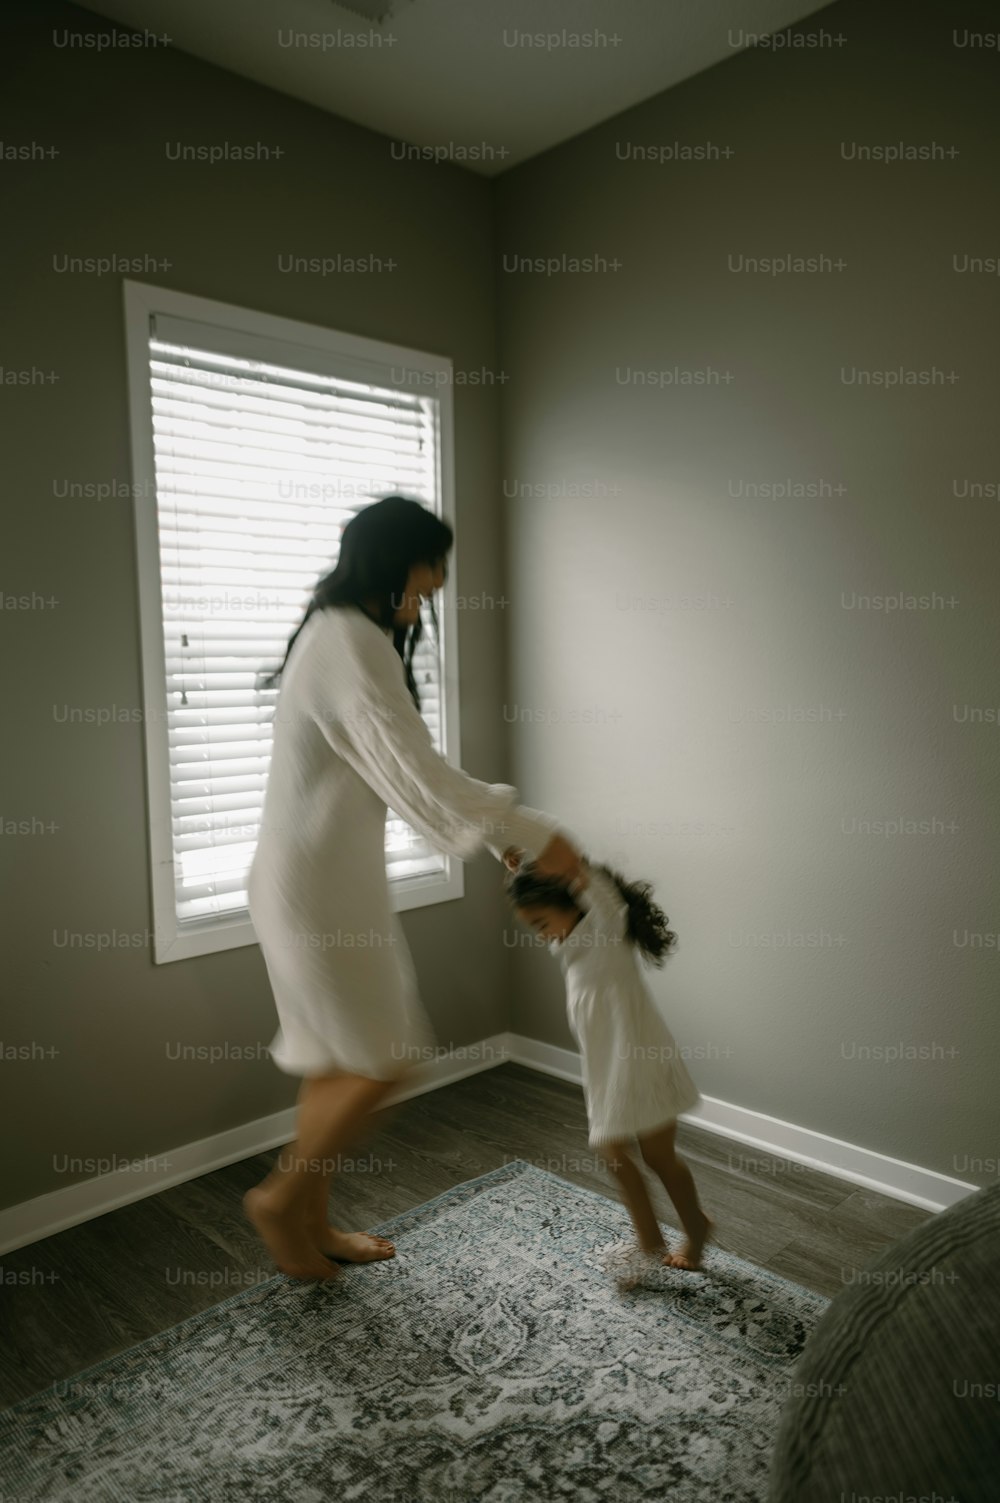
(89, 1292)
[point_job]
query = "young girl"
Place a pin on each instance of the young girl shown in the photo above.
(635, 1083)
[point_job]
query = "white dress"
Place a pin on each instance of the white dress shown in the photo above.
(348, 742)
(634, 1077)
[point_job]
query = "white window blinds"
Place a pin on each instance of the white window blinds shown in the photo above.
(258, 466)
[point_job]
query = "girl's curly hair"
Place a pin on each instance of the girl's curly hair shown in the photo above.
(647, 922)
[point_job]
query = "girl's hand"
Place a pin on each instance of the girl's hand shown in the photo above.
(512, 858)
(560, 859)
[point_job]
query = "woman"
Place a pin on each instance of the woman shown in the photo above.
(349, 742)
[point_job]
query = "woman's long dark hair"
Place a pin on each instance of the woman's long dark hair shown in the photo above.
(647, 922)
(378, 547)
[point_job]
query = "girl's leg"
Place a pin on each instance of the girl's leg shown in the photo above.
(660, 1154)
(636, 1197)
(331, 1110)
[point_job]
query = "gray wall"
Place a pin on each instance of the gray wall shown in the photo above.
(742, 826)
(110, 1091)
(655, 728)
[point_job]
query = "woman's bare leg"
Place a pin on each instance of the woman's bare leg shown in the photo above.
(331, 1110)
(349, 1247)
(660, 1154)
(636, 1197)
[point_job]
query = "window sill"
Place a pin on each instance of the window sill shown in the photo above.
(231, 931)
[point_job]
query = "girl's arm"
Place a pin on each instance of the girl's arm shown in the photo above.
(596, 893)
(560, 860)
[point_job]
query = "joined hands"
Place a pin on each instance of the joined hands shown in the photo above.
(559, 859)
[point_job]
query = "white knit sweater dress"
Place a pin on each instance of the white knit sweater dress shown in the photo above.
(348, 743)
(634, 1078)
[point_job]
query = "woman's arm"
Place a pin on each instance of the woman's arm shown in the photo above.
(357, 695)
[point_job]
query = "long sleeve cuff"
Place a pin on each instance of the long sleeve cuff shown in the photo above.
(528, 829)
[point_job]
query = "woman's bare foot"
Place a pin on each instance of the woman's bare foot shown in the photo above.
(690, 1254)
(286, 1241)
(352, 1247)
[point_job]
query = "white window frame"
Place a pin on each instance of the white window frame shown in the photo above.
(171, 940)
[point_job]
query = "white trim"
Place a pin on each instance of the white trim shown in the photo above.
(205, 310)
(46, 1215)
(32, 1220)
(366, 358)
(859, 1166)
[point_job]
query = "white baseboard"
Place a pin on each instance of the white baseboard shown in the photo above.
(859, 1166)
(20, 1225)
(32, 1220)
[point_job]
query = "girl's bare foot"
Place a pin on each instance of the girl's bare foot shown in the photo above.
(352, 1247)
(285, 1239)
(690, 1254)
(628, 1263)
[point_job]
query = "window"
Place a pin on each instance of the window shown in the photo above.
(255, 439)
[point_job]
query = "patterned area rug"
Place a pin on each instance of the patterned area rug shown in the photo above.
(491, 1359)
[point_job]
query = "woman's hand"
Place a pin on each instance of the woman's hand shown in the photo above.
(512, 858)
(559, 859)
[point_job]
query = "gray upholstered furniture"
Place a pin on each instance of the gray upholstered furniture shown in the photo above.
(897, 1393)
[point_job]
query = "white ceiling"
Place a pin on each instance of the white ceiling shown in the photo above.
(449, 77)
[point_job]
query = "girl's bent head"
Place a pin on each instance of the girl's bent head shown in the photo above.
(543, 903)
(551, 910)
(550, 923)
